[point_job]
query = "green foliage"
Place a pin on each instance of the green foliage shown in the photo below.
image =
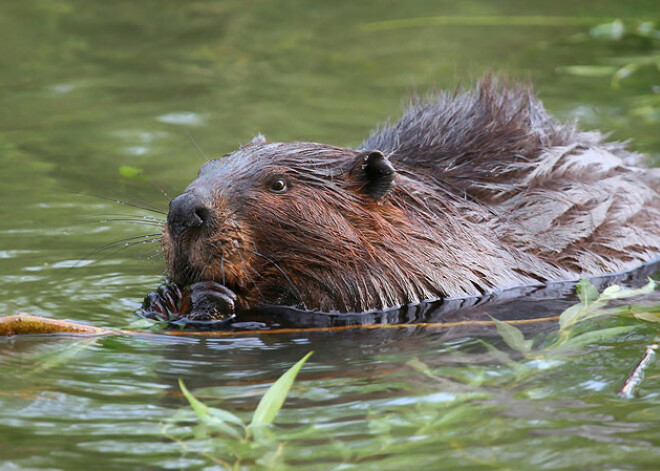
(513, 337)
(644, 34)
(618, 30)
(613, 31)
(589, 70)
(229, 433)
(53, 360)
(143, 323)
(274, 398)
(133, 173)
(592, 305)
(215, 419)
(586, 291)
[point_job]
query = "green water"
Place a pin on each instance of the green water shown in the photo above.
(88, 88)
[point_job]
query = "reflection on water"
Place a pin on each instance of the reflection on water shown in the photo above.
(100, 99)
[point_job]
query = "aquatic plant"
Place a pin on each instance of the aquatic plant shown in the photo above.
(572, 335)
(233, 436)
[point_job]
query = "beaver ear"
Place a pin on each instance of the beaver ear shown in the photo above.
(374, 174)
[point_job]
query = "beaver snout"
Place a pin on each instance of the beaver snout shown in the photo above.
(204, 241)
(187, 211)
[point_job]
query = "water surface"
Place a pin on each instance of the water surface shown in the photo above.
(93, 90)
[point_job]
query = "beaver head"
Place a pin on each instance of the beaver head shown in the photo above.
(283, 223)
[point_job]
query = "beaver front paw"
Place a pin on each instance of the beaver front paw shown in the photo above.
(204, 301)
(168, 304)
(211, 301)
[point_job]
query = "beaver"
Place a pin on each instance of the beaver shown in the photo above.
(470, 192)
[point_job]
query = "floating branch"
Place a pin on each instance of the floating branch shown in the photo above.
(24, 324)
(636, 376)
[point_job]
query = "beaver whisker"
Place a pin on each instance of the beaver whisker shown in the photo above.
(127, 242)
(188, 273)
(286, 277)
(162, 190)
(247, 272)
(199, 149)
(129, 245)
(136, 221)
(222, 245)
(125, 203)
(111, 254)
(122, 244)
(136, 217)
(197, 273)
(222, 268)
(206, 266)
(226, 216)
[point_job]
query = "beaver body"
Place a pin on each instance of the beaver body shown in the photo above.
(469, 193)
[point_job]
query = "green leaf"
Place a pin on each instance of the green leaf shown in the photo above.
(225, 416)
(274, 398)
(591, 307)
(586, 291)
(505, 359)
(646, 29)
(59, 357)
(647, 316)
(623, 73)
(611, 292)
(419, 366)
(570, 316)
(614, 30)
(588, 70)
(147, 324)
(513, 337)
(135, 173)
(592, 337)
(458, 414)
(212, 417)
(198, 406)
(617, 292)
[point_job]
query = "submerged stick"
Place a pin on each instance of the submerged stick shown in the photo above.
(636, 376)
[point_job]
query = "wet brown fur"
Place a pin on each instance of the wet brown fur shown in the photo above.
(489, 193)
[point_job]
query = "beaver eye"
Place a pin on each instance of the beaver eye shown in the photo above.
(278, 185)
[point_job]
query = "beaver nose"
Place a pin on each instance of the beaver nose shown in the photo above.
(187, 211)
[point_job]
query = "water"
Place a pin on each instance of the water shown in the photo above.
(92, 91)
